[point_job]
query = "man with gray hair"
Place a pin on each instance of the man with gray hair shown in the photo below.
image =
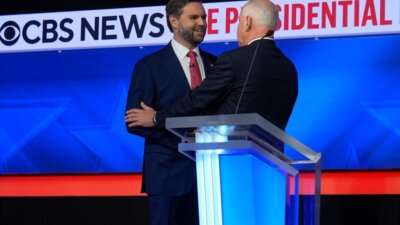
(254, 78)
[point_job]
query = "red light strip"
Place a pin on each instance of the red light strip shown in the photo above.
(353, 183)
(70, 185)
(332, 183)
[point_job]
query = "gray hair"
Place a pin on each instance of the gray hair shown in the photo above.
(264, 12)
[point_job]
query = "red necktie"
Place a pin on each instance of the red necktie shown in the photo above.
(195, 75)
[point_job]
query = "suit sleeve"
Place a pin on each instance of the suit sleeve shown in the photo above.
(142, 88)
(210, 93)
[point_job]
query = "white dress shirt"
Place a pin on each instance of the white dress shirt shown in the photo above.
(180, 52)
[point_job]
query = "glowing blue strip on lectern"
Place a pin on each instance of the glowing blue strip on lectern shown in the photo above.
(208, 179)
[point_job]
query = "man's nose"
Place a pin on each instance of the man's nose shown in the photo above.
(201, 22)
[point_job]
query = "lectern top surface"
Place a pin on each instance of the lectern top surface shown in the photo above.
(249, 126)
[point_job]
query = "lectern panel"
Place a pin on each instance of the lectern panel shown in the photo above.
(252, 192)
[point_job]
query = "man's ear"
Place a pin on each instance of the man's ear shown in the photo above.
(173, 21)
(249, 23)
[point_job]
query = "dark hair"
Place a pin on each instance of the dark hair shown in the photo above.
(174, 8)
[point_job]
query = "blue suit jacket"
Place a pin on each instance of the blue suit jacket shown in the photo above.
(158, 80)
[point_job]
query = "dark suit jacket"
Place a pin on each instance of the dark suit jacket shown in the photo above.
(158, 80)
(271, 89)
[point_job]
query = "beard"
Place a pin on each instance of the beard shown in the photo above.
(189, 35)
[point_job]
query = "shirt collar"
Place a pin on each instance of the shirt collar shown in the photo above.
(181, 50)
(256, 39)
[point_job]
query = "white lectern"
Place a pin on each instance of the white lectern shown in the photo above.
(243, 175)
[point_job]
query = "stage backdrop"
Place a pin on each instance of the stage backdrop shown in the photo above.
(64, 78)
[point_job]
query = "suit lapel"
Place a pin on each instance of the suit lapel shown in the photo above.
(174, 68)
(206, 62)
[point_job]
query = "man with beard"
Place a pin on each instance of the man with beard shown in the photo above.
(257, 77)
(160, 79)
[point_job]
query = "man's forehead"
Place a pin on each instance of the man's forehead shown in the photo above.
(194, 8)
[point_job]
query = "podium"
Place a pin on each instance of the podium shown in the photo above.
(244, 174)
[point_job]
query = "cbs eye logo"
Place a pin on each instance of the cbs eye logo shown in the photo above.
(9, 33)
